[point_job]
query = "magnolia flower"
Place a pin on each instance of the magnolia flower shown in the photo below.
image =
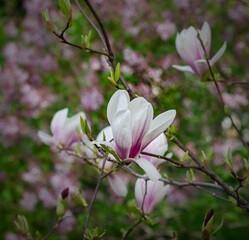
(133, 128)
(63, 129)
(158, 146)
(191, 51)
(117, 182)
(155, 193)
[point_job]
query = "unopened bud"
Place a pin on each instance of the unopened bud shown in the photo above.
(64, 193)
(208, 216)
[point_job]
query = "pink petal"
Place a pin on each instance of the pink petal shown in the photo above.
(141, 117)
(118, 185)
(121, 128)
(118, 102)
(159, 125)
(218, 55)
(58, 122)
(183, 68)
(45, 138)
(149, 168)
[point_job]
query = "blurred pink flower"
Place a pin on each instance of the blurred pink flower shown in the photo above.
(156, 191)
(63, 129)
(191, 51)
(29, 200)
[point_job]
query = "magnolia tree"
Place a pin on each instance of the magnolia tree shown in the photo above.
(135, 141)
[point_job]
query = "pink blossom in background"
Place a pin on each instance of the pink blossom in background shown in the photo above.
(48, 198)
(29, 200)
(165, 29)
(91, 98)
(189, 48)
(156, 191)
(235, 101)
(176, 196)
(68, 224)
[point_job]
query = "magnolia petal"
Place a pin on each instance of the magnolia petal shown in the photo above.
(149, 168)
(183, 68)
(201, 66)
(108, 134)
(121, 128)
(118, 185)
(205, 34)
(118, 102)
(159, 125)
(45, 138)
(69, 134)
(218, 55)
(141, 117)
(58, 122)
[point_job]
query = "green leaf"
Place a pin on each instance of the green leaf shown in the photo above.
(135, 210)
(219, 227)
(88, 43)
(117, 72)
(82, 124)
(45, 15)
(111, 73)
(64, 6)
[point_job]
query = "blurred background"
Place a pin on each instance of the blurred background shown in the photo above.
(39, 76)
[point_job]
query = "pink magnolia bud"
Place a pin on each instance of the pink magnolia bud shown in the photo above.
(191, 51)
(155, 193)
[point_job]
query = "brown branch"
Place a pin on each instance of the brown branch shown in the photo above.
(106, 43)
(219, 92)
(53, 229)
(93, 198)
(176, 163)
(242, 203)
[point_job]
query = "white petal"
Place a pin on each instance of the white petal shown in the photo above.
(149, 168)
(108, 134)
(69, 134)
(121, 128)
(58, 122)
(45, 138)
(201, 66)
(118, 185)
(118, 102)
(218, 55)
(159, 125)
(183, 68)
(205, 34)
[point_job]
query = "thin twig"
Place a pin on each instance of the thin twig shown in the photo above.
(91, 23)
(53, 229)
(106, 42)
(131, 229)
(243, 204)
(222, 81)
(219, 92)
(176, 163)
(93, 198)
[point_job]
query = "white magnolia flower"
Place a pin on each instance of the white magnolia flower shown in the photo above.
(63, 129)
(155, 193)
(133, 128)
(191, 51)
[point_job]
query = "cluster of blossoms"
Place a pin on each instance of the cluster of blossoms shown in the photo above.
(132, 130)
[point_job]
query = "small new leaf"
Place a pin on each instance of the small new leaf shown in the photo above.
(117, 72)
(65, 7)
